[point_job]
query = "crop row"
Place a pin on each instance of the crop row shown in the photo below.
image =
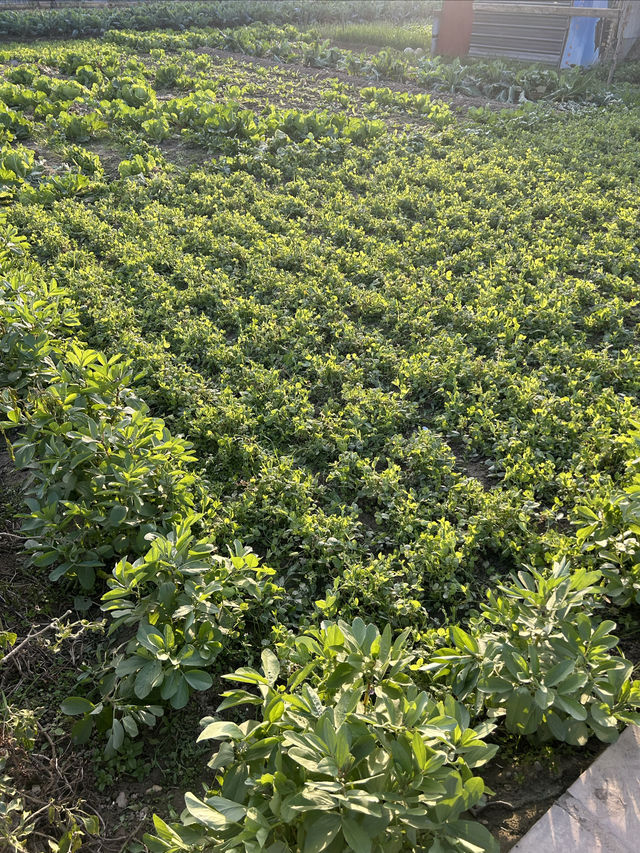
(493, 79)
(497, 79)
(74, 23)
(113, 98)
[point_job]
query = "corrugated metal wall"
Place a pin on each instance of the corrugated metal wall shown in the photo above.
(537, 38)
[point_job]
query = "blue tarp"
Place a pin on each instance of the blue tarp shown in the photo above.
(580, 47)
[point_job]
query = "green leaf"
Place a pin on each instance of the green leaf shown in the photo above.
(24, 455)
(570, 706)
(557, 725)
(275, 709)
(198, 679)
(521, 712)
(117, 515)
(559, 672)
(203, 813)
(232, 811)
(149, 637)
(181, 696)
(346, 704)
(298, 677)
(247, 676)
(117, 734)
(75, 705)
(221, 730)
(602, 630)
(130, 726)
(606, 734)
(238, 697)
(81, 730)
(473, 837)
(495, 684)
(270, 665)
(334, 638)
(86, 576)
(602, 715)
(544, 697)
(419, 750)
(320, 830)
(577, 732)
(166, 833)
(463, 640)
(170, 684)
(147, 678)
(342, 674)
(91, 823)
(355, 836)
(359, 630)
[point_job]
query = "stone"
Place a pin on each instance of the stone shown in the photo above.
(121, 800)
(568, 830)
(600, 813)
(610, 789)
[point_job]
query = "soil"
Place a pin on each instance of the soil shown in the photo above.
(110, 157)
(472, 467)
(10, 541)
(183, 154)
(52, 161)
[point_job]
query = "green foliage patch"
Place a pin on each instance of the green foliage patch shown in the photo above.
(364, 762)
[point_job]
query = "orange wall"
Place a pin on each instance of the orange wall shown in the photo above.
(456, 22)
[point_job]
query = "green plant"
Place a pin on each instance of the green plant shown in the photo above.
(17, 724)
(539, 659)
(80, 128)
(137, 165)
(349, 754)
(384, 33)
(188, 606)
(10, 120)
(84, 160)
(611, 531)
(167, 75)
(32, 315)
(105, 474)
(157, 129)
(87, 75)
(130, 761)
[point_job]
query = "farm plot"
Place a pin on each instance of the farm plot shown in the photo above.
(400, 342)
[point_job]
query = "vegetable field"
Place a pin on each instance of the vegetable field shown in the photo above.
(304, 349)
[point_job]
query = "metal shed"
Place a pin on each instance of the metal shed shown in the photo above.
(536, 38)
(561, 33)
